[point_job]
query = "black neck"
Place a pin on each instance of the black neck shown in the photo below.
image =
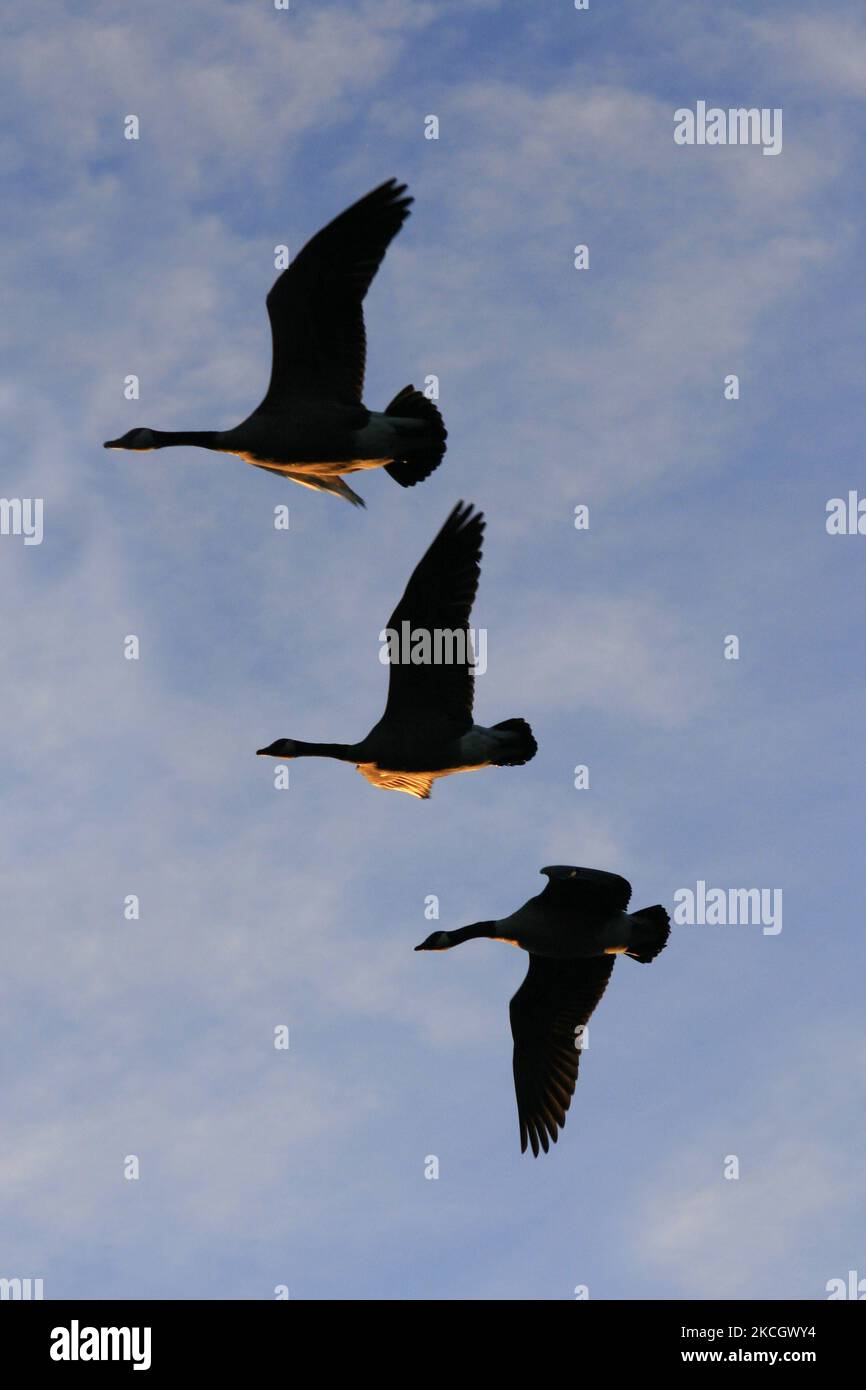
(473, 931)
(344, 751)
(203, 439)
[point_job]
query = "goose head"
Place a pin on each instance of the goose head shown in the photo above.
(437, 941)
(282, 748)
(138, 438)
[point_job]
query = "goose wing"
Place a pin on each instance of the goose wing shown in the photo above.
(554, 999)
(584, 891)
(316, 305)
(414, 783)
(438, 600)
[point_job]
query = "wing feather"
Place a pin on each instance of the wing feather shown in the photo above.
(316, 305)
(556, 997)
(439, 598)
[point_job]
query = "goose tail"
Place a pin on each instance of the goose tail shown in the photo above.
(518, 743)
(427, 453)
(651, 929)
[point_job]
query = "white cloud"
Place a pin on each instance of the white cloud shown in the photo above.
(217, 86)
(826, 49)
(714, 1237)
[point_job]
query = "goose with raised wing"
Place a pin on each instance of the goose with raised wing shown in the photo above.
(312, 426)
(572, 930)
(427, 730)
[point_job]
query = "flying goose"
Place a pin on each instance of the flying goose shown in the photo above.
(572, 931)
(312, 426)
(427, 731)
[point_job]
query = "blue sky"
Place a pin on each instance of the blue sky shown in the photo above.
(301, 907)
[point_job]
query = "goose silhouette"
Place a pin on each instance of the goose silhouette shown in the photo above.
(312, 426)
(572, 930)
(427, 731)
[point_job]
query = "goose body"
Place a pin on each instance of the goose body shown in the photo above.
(312, 426)
(427, 731)
(572, 931)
